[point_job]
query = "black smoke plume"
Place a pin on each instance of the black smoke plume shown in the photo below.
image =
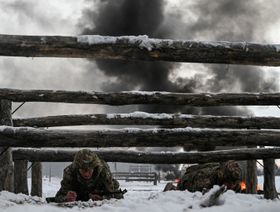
(220, 20)
(215, 20)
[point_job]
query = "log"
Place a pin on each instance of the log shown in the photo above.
(141, 97)
(141, 118)
(6, 162)
(269, 179)
(131, 137)
(251, 177)
(140, 48)
(20, 179)
(36, 179)
(150, 157)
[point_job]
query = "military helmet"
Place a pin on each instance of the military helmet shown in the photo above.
(232, 171)
(86, 159)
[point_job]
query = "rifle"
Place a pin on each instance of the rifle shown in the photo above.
(101, 193)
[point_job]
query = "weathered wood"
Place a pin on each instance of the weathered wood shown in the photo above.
(135, 97)
(150, 157)
(141, 118)
(36, 179)
(269, 179)
(6, 163)
(32, 137)
(251, 177)
(20, 176)
(140, 48)
(133, 137)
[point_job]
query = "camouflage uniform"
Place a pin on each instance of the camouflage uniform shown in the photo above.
(101, 180)
(204, 176)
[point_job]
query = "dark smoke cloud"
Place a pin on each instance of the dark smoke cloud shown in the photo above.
(136, 17)
(214, 20)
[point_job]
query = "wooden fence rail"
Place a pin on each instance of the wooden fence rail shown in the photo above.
(140, 48)
(141, 97)
(141, 118)
(32, 137)
(34, 155)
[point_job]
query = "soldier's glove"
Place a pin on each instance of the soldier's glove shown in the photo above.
(71, 196)
(95, 196)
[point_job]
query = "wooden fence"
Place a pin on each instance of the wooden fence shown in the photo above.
(177, 129)
(136, 176)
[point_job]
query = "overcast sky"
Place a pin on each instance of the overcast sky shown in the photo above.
(203, 21)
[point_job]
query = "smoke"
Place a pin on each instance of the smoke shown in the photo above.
(126, 17)
(208, 20)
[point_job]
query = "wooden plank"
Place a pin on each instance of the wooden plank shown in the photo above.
(150, 157)
(32, 137)
(141, 118)
(140, 48)
(140, 97)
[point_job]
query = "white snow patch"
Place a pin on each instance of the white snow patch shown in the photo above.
(144, 196)
(143, 41)
(139, 114)
(145, 93)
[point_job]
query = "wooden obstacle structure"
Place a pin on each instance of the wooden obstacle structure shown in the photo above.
(190, 131)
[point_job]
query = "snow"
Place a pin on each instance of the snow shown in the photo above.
(139, 114)
(143, 41)
(143, 196)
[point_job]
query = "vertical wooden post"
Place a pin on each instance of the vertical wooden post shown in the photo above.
(269, 179)
(20, 176)
(251, 177)
(36, 178)
(6, 162)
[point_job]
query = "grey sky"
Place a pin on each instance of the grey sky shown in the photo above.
(64, 17)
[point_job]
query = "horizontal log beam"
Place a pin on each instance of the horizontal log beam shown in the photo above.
(140, 97)
(32, 137)
(150, 157)
(140, 48)
(142, 118)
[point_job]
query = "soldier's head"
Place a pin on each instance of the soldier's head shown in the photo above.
(231, 171)
(85, 161)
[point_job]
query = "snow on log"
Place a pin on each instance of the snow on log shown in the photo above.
(130, 137)
(141, 97)
(142, 118)
(140, 48)
(150, 157)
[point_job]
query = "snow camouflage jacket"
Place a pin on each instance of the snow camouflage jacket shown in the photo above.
(101, 180)
(205, 176)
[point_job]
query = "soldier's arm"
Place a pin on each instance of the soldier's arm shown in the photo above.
(66, 185)
(110, 184)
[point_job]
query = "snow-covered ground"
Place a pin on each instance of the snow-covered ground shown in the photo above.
(143, 196)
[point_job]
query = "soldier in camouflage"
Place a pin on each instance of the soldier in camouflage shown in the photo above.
(88, 177)
(205, 176)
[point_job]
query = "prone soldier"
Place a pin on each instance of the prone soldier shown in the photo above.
(88, 177)
(204, 176)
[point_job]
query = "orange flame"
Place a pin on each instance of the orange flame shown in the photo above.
(243, 186)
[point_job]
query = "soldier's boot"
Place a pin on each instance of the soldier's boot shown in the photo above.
(169, 187)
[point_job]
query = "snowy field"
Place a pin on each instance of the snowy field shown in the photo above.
(144, 197)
